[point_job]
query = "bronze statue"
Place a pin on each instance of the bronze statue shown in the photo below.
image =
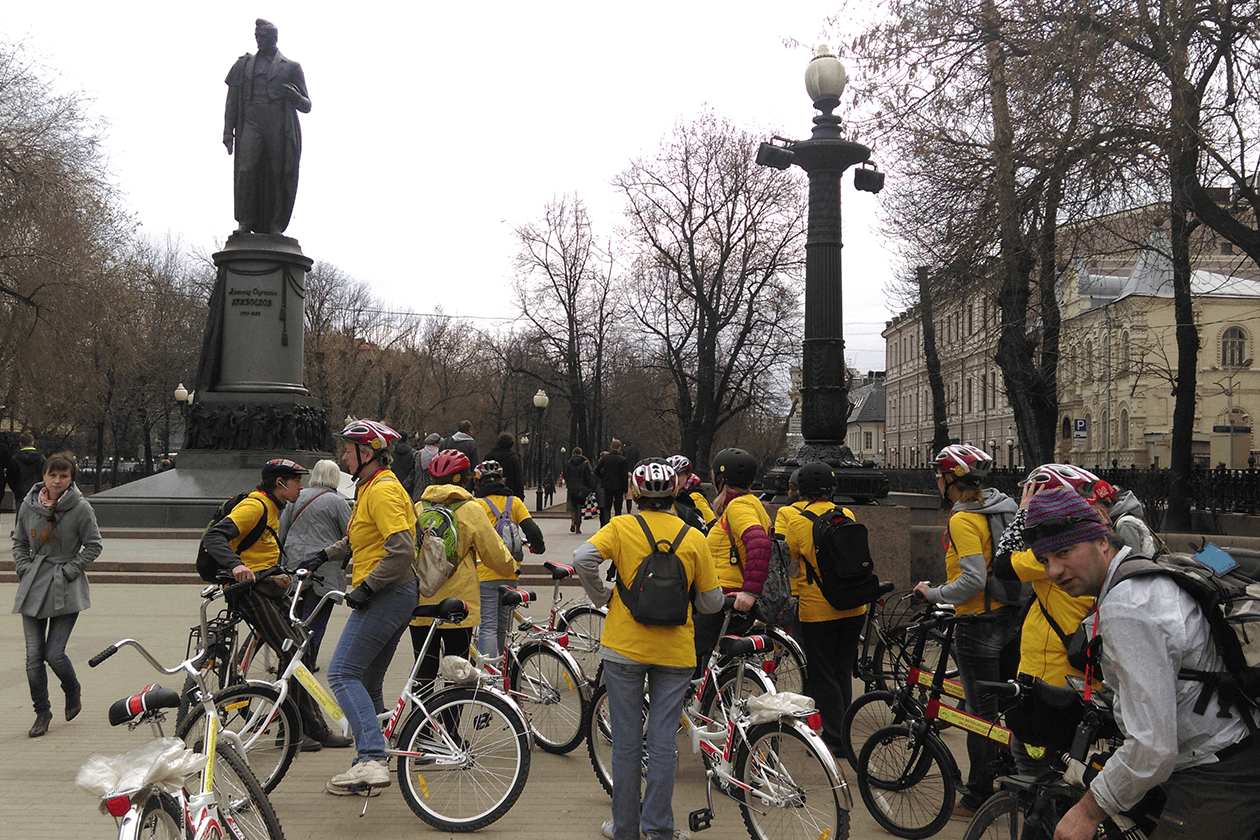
(265, 92)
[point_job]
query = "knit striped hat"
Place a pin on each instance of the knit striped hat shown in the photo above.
(1060, 517)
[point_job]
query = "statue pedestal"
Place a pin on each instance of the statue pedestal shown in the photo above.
(250, 404)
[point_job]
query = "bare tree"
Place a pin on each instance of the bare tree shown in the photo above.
(718, 258)
(563, 283)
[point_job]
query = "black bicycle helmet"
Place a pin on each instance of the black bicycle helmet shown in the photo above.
(815, 480)
(734, 467)
(282, 468)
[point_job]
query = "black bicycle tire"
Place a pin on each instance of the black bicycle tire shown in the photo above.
(583, 643)
(598, 732)
(877, 792)
(825, 787)
(859, 710)
(270, 663)
(411, 769)
(288, 721)
(227, 758)
(555, 726)
(161, 804)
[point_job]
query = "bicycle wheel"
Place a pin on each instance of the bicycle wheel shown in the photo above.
(270, 741)
(585, 625)
(892, 661)
(905, 782)
(475, 782)
(551, 691)
(598, 730)
(723, 687)
(785, 664)
(865, 716)
(242, 801)
(161, 818)
(254, 660)
(793, 793)
(1001, 817)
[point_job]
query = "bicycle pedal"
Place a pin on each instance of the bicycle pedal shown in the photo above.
(700, 820)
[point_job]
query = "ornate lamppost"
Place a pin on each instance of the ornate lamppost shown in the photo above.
(824, 374)
(540, 403)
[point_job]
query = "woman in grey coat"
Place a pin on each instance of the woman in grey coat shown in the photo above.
(54, 540)
(315, 521)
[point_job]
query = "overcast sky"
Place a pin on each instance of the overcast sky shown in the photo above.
(436, 129)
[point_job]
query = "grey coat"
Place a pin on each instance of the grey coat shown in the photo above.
(317, 519)
(51, 577)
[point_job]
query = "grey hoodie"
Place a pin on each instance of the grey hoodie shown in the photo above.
(1129, 523)
(974, 568)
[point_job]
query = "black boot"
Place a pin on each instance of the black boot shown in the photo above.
(40, 727)
(74, 702)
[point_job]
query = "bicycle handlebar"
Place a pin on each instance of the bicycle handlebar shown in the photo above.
(1001, 689)
(102, 656)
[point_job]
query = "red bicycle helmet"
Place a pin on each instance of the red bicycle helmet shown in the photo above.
(653, 479)
(369, 433)
(680, 463)
(964, 462)
(1063, 475)
(449, 464)
(1103, 492)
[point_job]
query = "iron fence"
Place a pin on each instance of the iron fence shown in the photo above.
(1213, 490)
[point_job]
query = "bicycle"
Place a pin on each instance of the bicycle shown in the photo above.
(539, 673)
(463, 750)
(779, 771)
(877, 709)
(581, 620)
(264, 714)
(907, 776)
(1028, 807)
(229, 800)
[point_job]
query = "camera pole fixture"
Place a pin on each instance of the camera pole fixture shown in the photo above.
(824, 157)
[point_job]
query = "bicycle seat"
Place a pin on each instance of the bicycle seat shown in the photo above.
(559, 571)
(510, 596)
(741, 645)
(453, 610)
(151, 697)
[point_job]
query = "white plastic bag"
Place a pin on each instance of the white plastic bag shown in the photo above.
(457, 669)
(164, 762)
(768, 707)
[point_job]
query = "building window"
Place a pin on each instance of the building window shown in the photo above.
(1227, 248)
(1233, 347)
(1124, 351)
(1067, 428)
(867, 441)
(1089, 432)
(1089, 360)
(969, 383)
(1124, 428)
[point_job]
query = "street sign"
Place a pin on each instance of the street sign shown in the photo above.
(1080, 431)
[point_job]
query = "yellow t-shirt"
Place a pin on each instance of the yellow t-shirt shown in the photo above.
(741, 513)
(518, 514)
(799, 532)
(1041, 651)
(265, 552)
(623, 540)
(476, 539)
(702, 505)
(968, 534)
(381, 509)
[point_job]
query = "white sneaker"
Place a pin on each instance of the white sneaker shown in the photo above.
(360, 777)
(608, 830)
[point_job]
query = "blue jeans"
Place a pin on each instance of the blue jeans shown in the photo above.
(357, 670)
(46, 642)
(667, 686)
(985, 651)
(492, 634)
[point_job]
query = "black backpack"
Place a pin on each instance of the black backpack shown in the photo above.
(207, 566)
(659, 595)
(846, 573)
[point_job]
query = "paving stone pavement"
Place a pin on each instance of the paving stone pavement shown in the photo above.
(562, 798)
